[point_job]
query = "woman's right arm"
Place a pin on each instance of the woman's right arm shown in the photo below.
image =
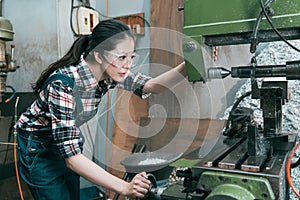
(61, 107)
(86, 168)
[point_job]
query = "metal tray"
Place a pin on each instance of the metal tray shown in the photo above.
(133, 163)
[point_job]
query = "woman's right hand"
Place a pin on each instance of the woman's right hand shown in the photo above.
(139, 185)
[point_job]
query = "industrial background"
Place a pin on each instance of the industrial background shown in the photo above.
(37, 33)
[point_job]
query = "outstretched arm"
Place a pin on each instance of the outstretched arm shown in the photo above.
(166, 80)
(138, 186)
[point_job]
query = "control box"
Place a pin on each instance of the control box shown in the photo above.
(84, 20)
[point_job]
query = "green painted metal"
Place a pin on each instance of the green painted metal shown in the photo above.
(207, 17)
(218, 17)
(6, 29)
(238, 186)
(232, 191)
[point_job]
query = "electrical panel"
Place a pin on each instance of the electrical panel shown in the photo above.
(135, 22)
(84, 20)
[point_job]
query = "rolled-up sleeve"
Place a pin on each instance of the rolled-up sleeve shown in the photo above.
(62, 112)
(135, 82)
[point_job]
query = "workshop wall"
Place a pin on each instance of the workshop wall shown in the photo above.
(43, 33)
(37, 26)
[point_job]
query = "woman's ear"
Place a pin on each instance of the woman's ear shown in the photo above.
(97, 57)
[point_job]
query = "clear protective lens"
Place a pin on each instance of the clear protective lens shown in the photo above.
(120, 60)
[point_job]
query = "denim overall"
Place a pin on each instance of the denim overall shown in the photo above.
(41, 165)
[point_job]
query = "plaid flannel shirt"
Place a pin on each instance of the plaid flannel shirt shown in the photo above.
(54, 109)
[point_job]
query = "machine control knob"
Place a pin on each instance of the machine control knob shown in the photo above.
(190, 46)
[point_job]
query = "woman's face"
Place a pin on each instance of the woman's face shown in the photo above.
(118, 61)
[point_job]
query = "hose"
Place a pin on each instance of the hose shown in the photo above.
(235, 105)
(288, 170)
(274, 28)
(15, 153)
(295, 164)
(16, 169)
(254, 39)
(10, 132)
(13, 94)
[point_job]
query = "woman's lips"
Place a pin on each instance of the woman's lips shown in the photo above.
(122, 74)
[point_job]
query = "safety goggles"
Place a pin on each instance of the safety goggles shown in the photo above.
(122, 59)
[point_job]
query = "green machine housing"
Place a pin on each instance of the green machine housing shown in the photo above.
(232, 22)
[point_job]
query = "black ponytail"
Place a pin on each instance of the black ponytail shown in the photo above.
(72, 57)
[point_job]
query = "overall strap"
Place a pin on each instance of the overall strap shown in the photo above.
(69, 82)
(64, 78)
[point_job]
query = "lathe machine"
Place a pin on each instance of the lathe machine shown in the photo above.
(249, 160)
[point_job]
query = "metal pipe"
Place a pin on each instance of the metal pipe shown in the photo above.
(258, 72)
(291, 70)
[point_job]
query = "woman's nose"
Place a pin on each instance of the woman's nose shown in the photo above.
(128, 63)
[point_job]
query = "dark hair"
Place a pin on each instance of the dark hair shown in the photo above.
(104, 36)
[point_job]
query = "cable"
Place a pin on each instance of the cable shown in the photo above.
(6, 143)
(146, 21)
(85, 3)
(255, 30)
(12, 124)
(16, 168)
(71, 15)
(71, 18)
(109, 17)
(13, 94)
(274, 28)
(288, 170)
(10, 132)
(295, 164)
(235, 105)
(15, 153)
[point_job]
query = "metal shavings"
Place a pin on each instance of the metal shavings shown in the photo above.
(150, 161)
